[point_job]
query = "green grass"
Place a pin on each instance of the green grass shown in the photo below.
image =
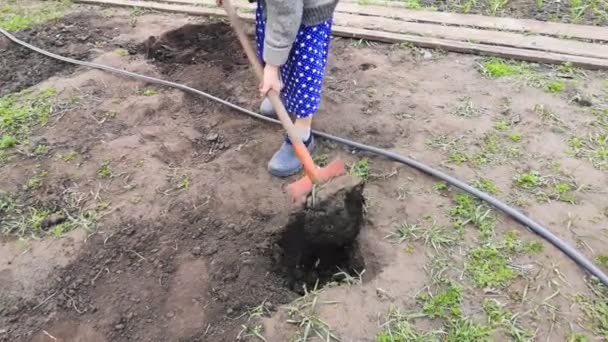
(602, 260)
(515, 137)
(443, 304)
(487, 185)
(150, 92)
(36, 180)
(465, 330)
(399, 328)
(494, 6)
(122, 52)
(466, 108)
(441, 186)
(503, 319)
(497, 67)
(105, 171)
(577, 337)
(15, 17)
(8, 141)
(434, 235)
(68, 157)
(488, 267)
(502, 125)
(529, 180)
(556, 87)
(596, 312)
(21, 112)
(184, 182)
(361, 169)
(406, 232)
(41, 149)
(593, 147)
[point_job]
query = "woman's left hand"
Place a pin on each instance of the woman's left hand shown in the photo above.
(271, 80)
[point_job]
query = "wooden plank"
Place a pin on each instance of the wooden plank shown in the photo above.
(473, 20)
(509, 39)
(527, 26)
(499, 38)
(389, 37)
(472, 48)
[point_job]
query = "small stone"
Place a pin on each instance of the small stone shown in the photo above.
(211, 137)
(119, 326)
(229, 311)
(210, 250)
(196, 251)
(170, 314)
(427, 55)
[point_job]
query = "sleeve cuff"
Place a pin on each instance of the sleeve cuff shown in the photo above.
(276, 56)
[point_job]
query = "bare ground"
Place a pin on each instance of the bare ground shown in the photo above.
(187, 226)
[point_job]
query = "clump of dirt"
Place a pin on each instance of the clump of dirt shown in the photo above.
(72, 36)
(214, 44)
(320, 240)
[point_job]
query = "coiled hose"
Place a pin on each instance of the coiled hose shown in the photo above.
(570, 251)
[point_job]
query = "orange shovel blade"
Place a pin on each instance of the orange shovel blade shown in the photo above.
(299, 189)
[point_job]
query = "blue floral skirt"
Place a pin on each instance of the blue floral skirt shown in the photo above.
(302, 75)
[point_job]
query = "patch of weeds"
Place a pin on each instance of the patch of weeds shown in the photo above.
(344, 278)
(437, 237)
(361, 169)
(465, 330)
(434, 236)
(487, 185)
(465, 206)
(529, 180)
(502, 125)
(103, 205)
(253, 328)
(494, 6)
(21, 112)
(466, 108)
(497, 67)
(412, 4)
(556, 87)
(36, 180)
(512, 244)
(41, 149)
(68, 157)
(122, 52)
(489, 267)
(602, 260)
(515, 137)
(7, 141)
(406, 232)
(321, 159)
(363, 43)
(594, 147)
(105, 171)
(443, 304)
(458, 157)
(562, 191)
(577, 337)
(399, 328)
(540, 4)
(15, 18)
(499, 317)
(183, 182)
(441, 186)
(596, 311)
(150, 92)
(303, 314)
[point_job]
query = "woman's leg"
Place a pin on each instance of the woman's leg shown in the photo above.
(302, 77)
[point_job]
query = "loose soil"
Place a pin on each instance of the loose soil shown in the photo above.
(73, 37)
(194, 233)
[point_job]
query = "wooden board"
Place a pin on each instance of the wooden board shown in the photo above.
(391, 37)
(527, 26)
(498, 38)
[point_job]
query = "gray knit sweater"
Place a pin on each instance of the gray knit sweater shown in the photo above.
(283, 21)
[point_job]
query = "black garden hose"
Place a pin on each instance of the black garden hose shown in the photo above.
(546, 234)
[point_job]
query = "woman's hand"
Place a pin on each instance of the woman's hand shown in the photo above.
(271, 80)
